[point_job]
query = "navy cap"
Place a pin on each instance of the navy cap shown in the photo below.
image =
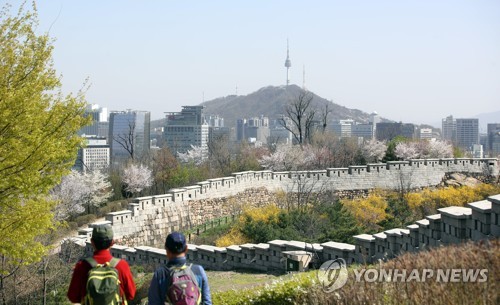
(176, 242)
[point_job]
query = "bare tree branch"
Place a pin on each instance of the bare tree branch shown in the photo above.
(127, 140)
(301, 117)
(324, 117)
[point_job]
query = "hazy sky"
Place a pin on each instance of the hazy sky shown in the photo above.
(409, 60)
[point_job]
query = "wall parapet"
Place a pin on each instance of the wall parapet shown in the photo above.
(151, 216)
(478, 221)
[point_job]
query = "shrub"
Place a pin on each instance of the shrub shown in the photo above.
(369, 211)
(85, 219)
(113, 207)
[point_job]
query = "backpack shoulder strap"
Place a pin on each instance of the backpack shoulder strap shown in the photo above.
(91, 261)
(191, 274)
(114, 262)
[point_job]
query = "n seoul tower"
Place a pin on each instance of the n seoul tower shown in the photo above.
(288, 64)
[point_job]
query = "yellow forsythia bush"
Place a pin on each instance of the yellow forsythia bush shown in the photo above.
(235, 237)
(369, 211)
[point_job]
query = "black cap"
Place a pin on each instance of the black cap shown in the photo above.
(176, 242)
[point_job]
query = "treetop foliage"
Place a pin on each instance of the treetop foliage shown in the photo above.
(137, 177)
(38, 140)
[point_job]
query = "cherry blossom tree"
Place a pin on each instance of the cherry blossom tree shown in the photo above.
(100, 187)
(373, 150)
(440, 149)
(424, 150)
(407, 151)
(70, 193)
(194, 155)
(78, 191)
(290, 157)
(137, 177)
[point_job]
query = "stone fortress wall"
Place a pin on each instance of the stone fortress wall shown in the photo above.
(149, 219)
(478, 221)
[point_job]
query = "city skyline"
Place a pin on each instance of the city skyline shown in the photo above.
(413, 62)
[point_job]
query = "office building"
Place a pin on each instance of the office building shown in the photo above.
(467, 133)
(425, 133)
(129, 134)
(254, 129)
(343, 128)
(374, 120)
(364, 131)
(449, 129)
(99, 126)
(388, 131)
(94, 156)
(279, 134)
(186, 129)
(477, 151)
(214, 121)
(493, 139)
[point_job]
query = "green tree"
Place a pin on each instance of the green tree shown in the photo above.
(38, 140)
(340, 225)
(390, 154)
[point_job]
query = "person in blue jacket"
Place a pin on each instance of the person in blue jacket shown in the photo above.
(176, 247)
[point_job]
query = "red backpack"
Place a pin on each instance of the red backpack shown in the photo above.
(182, 287)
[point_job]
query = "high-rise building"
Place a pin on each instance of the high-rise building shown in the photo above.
(214, 121)
(279, 134)
(129, 134)
(364, 131)
(185, 129)
(99, 126)
(388, 131)
(477, 151)
(240, 129)
(343, 128)
(493, 139)
(425, 133)
(256, 128)
(449, 129)
(374, 120)
(467, 133)
(94, 156)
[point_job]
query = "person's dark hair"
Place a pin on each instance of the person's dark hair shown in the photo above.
(101, 244)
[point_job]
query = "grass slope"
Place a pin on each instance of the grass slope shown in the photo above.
(304, 288)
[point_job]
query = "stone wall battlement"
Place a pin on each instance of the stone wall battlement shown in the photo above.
(478, 221)
(148, 219)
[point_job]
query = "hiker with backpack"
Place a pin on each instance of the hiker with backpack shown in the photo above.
(177, 282)
(101, 279)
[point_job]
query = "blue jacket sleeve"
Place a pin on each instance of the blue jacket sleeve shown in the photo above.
(154, 293)
(206, 299)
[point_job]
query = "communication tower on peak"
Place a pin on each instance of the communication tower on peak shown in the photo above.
(288, 64)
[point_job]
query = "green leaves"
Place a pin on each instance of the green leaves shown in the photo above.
(38, 140)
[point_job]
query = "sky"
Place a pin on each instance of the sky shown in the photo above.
(410, 60)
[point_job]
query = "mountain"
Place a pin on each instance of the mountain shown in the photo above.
(271, 101)
(485, 118)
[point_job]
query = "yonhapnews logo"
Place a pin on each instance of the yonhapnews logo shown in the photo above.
(333, 275)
